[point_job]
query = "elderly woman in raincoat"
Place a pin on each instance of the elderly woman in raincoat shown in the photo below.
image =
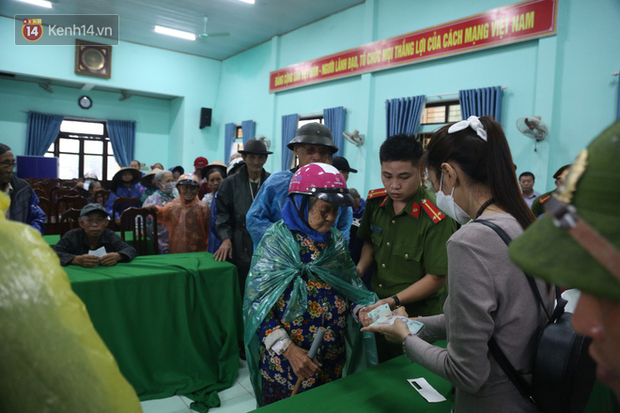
(302, 278)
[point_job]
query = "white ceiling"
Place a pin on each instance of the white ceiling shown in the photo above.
(248, 24)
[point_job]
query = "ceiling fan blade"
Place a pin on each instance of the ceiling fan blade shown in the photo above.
(217, 34)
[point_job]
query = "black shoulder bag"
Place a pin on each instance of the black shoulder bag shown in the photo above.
(563, 372)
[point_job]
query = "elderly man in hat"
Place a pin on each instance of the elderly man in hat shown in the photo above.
(93, 244)
(125, 183)
(313, 142)
(234, 198)
(577, 244)
(187, 218)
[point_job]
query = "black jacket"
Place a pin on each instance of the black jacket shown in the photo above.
(233, 201)
(25, 205)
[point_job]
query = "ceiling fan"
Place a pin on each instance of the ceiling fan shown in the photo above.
(205, 35)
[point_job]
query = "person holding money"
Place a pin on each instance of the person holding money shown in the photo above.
(470, 166)
(302, 279)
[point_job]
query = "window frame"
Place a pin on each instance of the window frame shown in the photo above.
(82, 138)
(447, 104)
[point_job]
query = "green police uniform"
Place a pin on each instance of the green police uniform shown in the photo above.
(538, 206)
(407, 245)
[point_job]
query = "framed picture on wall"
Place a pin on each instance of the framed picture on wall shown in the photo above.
(93, 59)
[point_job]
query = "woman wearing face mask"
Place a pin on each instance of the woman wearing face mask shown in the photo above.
(470, 166)
(166, 192)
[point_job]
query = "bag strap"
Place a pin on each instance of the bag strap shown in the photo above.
(515, 377)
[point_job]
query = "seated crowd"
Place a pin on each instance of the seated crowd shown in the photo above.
(312, 255)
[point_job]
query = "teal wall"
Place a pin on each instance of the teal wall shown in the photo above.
(566, 79)
(192, 81)
(151, 115)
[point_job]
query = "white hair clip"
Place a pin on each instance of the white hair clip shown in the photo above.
(471, 122)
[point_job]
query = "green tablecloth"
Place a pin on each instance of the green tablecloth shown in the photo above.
(383, 388)
(172, 322)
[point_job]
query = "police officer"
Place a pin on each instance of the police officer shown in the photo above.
(313, 142)
(538, 206)
(404, 237)
(577, 244)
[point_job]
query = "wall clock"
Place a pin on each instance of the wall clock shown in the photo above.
(93, 59)
(85, 102)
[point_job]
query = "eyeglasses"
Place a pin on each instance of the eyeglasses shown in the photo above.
(8, 163)
(313, 149)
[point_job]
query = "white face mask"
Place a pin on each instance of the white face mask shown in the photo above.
(168, 188)
(447, 204)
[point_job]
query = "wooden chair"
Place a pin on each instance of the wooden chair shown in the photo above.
(41, 191)
(120, 204)
(69, 220)
(55, 194)
(134, 220)
(65, 203)
(101, 196)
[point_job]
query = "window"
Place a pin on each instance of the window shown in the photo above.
(310, 119)
(83, 147)
(441, 112)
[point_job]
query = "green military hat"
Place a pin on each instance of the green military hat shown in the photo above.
(577, 243)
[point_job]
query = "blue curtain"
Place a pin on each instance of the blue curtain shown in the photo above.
(229, 138)
(248, 128)
(289, 127)
(486, 101)
(123, 138)
(41, 132)
(404, 115)
(334, 119)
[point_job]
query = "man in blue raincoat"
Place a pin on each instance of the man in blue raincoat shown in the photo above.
(313, 142)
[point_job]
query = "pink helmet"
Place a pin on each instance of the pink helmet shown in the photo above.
(322, 181)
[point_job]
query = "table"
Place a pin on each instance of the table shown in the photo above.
(383, 388)
(173, 322)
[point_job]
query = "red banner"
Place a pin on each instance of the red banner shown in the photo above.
(504, 25)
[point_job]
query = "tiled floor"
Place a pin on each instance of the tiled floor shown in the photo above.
(237, 399)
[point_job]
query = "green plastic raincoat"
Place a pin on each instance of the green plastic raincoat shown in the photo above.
(276, 263)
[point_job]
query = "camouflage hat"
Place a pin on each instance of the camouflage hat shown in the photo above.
(559, 248)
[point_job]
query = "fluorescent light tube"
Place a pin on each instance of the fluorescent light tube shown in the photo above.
(175, 33)
(40, 3)
(247, 1)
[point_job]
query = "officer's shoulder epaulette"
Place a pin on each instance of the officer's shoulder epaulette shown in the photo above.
(376, 193)
(432, 211)
(544, 199)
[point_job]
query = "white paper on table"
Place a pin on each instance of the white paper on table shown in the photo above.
(99, 252)
(426, 390)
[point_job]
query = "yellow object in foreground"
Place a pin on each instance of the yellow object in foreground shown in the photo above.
(52, 359)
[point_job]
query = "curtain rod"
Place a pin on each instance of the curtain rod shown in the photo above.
(83, 118)
(317, 113)
(440, 96)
